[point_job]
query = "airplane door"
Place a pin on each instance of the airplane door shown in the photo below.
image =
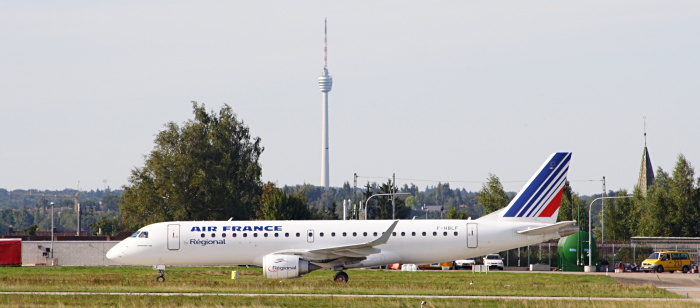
(472, 235)
(173, 237)
(310, 237)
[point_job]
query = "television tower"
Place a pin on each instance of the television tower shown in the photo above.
(325, 82)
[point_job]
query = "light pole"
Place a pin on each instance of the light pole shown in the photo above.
(52, 231)
(391, 194)
(590, 239)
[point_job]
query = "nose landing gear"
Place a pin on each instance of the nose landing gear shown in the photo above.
(161, 272)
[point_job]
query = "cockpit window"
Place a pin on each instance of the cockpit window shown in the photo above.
(136, 234)
(143, 234)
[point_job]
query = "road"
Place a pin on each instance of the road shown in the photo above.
(683, 284)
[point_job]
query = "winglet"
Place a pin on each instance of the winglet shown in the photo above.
(385, 237)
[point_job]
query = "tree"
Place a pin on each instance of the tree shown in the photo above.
(275, 204)
(22, 218)
(31, 230)
(619, 218)
(572, 207)
(492, 196)
(654, 208)
(456, 213)
(380, 207)
(207, 169)
(684, 213)
(110, 202)
(109, 226)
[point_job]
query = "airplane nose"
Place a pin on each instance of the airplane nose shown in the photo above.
(114, 253)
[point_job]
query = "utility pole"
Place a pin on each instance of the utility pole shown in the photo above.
(391, 190)
(602, 218)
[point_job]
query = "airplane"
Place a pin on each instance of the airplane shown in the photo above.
(290, 249)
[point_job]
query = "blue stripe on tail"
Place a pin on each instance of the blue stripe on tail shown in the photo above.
(542, 188)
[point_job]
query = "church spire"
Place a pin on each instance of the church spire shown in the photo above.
(646, 171)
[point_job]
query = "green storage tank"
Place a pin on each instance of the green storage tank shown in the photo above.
(573, 252)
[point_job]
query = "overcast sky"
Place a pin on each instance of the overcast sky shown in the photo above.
(434, 91)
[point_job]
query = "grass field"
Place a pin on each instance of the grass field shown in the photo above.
(217, 280)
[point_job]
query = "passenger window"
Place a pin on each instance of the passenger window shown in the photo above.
(213, 235)
(333, 234)
(223, 234)
(265, 234)
(245, 234)
(424, 234)
(444, 233)
(321, 234)
(311, 234)
(277, 234)
(364, 233)
(434, 233)
(143, 234)
(298, 234)
(202, 236)
(233, 234)
(345, 234)
(255, 235)
(455, 233)
(403, 233)
(413, 234)
(375, 233)
(393, 233)
(286, 235)
(354, 234)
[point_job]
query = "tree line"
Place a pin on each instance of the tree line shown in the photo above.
(671, 207)
(29, 211)
(208, 169)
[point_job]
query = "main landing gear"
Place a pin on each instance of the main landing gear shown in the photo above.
(161, 272)
(340, 277)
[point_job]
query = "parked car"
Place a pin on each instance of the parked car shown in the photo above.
(459, 264)
(493, 261)
(669, 261)
(437, 266)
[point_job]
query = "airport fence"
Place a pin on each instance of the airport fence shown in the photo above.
(609, 253)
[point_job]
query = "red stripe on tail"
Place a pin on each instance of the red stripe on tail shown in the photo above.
(553, 206)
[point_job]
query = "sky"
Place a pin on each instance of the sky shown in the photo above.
(431, 91)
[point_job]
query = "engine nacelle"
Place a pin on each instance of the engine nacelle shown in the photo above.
(285, 266)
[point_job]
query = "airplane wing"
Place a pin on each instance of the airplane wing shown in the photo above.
(547, 229)
(360, 250)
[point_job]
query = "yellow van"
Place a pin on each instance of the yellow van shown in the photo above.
(669, 261)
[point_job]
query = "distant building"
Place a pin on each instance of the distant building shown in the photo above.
(646, 171)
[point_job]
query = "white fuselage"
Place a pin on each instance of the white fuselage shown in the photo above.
(247, 242)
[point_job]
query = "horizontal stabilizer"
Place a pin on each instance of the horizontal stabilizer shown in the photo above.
(547, 229)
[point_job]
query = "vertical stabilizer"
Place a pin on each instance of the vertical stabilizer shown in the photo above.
(540, 198)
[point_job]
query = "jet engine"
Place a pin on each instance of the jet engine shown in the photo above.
(286, 266)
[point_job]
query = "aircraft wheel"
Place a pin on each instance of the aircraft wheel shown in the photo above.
(659, 269)
(160, 279)
(340, 277)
